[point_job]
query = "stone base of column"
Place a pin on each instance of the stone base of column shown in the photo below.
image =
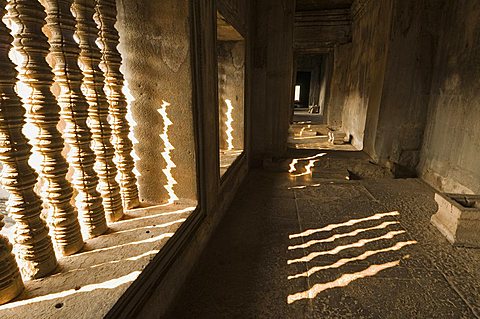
(12, 290)
(92, 232)
(458, 218)
(114, 216)
(70, 249)
(34, 270)
(11, 284)
(131, 203)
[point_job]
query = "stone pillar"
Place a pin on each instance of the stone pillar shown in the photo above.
(90, 57)
(74, 111)
(111, 62)
(33, 246)
(43, 113)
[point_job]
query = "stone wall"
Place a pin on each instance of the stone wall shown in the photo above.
(381, 82)
(272, 76)
(396, 122)
(155, 44)
(451, 147)
(231, 79)
(215, 196)
(406, 88)
(359, 69)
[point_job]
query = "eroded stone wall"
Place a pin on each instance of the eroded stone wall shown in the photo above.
(359, 69)
(396, 122)
(451, 148)
(155, 45)
(406, 88)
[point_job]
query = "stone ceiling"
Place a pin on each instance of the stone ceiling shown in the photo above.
(314, 5)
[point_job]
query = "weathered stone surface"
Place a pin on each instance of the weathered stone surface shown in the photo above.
(322, 28)
(90, 282)
(337, 137)
(458, 218)
(367, 253)
(156, 49)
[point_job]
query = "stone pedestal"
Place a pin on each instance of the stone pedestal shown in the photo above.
(458, 218)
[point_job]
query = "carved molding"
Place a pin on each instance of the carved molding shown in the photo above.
(90, 58)
(74, 111)
(106, 13)
(33, 246)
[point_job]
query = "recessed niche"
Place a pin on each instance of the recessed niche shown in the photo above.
(231, 79)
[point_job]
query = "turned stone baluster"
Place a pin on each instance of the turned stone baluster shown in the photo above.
(43, 112)
(90, 57)
(11, 284)
(32, 244)
(74, 111)
(106, 14)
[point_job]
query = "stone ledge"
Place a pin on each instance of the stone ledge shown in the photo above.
(89, 283)
(458, 218)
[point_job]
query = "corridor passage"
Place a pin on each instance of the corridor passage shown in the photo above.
(304, 244)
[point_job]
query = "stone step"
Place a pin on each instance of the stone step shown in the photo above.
(330, 173)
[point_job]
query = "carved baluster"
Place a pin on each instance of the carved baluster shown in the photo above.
(32, 244)
(43, 112)
(111, 61)
(11, 284)
(74, 111)
(90, 57)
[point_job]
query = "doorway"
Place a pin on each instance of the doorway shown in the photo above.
(302, 89)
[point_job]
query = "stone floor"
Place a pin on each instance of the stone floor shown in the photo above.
(313, 136)
(304, 247)
(303, 116)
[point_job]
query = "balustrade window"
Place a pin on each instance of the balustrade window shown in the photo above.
(69, 124)
(231, 82)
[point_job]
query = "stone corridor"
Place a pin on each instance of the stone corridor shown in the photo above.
(323, 247)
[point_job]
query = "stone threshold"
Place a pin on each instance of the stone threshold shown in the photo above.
(89, 283)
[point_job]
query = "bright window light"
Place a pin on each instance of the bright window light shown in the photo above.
(297, 93)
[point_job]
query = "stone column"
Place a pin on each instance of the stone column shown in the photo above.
(74, 111)
(111, 61)
(44, 114)
(90, 57)
(33, 246)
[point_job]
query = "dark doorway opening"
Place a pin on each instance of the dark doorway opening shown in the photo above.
(303, 85)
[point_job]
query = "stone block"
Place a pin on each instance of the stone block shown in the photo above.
(330, 174)
(308, 133)
(458, 218)
(336, 137)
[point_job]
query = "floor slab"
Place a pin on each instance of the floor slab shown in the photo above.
(291, 248)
